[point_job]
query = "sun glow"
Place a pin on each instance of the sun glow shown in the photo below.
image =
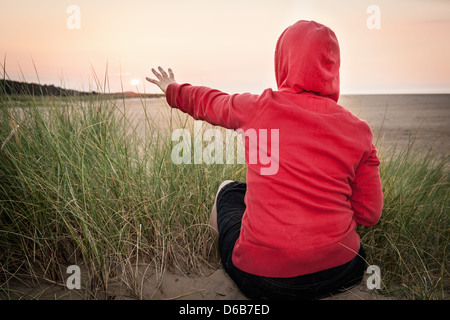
(135, 82)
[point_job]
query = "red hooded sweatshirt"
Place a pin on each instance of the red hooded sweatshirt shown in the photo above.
(301, 213)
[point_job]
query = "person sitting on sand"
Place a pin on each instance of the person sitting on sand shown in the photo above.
(291, 233)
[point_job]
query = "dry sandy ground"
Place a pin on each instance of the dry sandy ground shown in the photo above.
(217, 286)
(171, 285)
(426, 115)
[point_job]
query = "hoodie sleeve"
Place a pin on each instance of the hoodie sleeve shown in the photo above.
(213, 106)
(367, 195)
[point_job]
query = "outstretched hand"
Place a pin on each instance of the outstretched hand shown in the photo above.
(164, 79)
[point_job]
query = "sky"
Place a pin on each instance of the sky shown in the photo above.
(387, 46)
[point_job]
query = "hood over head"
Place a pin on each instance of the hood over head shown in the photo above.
(307, 58)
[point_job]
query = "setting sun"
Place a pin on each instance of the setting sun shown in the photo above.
(135, 82)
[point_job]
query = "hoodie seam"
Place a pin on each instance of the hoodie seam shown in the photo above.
(324, 80)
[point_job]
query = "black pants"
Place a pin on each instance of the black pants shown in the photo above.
(230, 209)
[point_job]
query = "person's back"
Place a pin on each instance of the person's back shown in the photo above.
(313, 174)
(301, 219)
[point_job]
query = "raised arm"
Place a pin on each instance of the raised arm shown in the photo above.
(203, 103)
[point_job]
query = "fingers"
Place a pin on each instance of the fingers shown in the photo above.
(151, 80)
(171, 75)
(157, 74)
(162, 76)
(163, 73)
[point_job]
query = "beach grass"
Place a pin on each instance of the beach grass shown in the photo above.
(410, 244)
(79, 185)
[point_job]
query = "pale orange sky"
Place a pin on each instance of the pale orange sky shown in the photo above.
(228, 45)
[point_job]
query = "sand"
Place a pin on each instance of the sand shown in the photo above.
(213, 284)
(396, 119)
(216, 286)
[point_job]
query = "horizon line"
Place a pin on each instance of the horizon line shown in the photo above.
(342, 93)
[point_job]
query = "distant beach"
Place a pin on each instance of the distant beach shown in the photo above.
(399, 118)
(394, 119)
